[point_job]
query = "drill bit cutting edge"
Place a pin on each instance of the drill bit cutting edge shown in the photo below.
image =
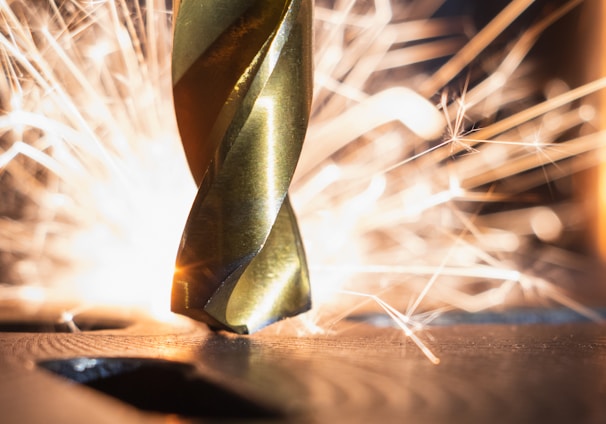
(242, 93)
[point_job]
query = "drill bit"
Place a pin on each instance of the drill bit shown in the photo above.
(242, 93)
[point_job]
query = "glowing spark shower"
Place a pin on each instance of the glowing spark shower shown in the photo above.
(418, 121)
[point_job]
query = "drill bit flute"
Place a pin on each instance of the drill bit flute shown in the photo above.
(242, 93)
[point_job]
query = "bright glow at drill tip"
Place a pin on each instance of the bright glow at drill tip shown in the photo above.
(136, 266)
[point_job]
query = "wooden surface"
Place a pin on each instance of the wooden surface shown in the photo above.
(359, 373)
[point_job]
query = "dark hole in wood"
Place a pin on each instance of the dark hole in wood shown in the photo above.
(41, 326)
(159, 386)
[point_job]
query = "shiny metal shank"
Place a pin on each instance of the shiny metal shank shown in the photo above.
(242, 93)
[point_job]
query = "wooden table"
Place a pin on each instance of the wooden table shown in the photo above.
(357, 373)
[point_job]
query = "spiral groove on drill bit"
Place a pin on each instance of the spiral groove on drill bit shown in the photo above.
(242, 93)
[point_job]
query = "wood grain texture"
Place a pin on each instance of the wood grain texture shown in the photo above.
(358, 373)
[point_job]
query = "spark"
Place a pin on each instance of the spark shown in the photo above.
(389, 186)
(402, 321)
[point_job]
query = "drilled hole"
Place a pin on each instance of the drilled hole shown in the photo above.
(158, 386)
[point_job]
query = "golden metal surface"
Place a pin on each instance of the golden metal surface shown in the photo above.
(242, 93)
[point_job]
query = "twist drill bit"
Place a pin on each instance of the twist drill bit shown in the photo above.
(242, 94)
